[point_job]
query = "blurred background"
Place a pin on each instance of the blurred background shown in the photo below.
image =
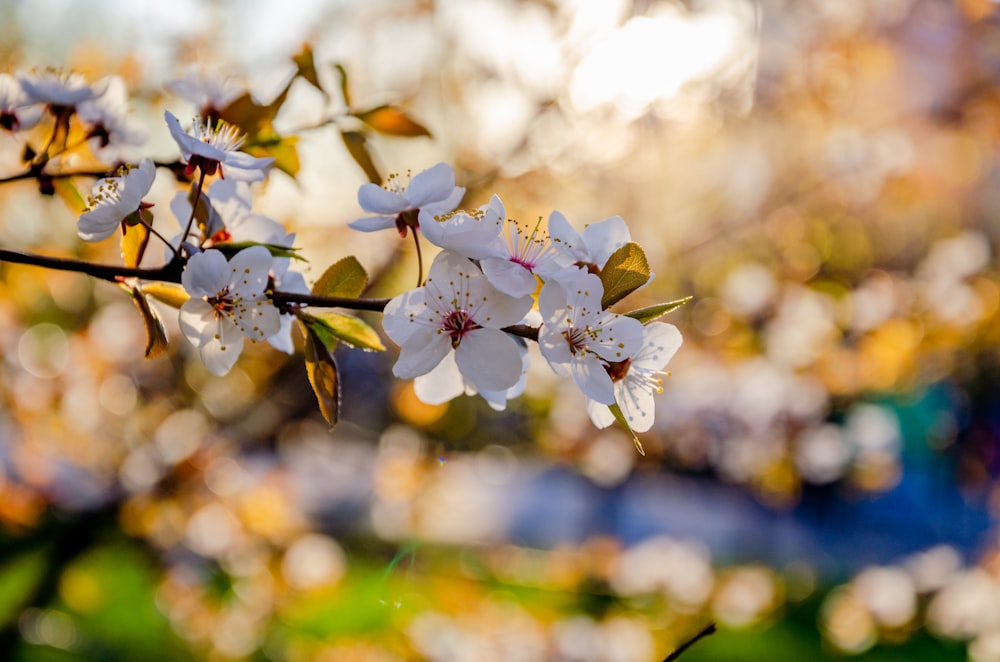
(821, 481)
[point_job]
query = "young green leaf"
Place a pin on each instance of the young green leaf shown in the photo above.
(625, 272)
(650, 313)
(344, 278)
(616, 411)
(231, 248)
(321, 368)
(330, 327)
(393, 121)
(156, 335)
(66, 190)
(357, 146)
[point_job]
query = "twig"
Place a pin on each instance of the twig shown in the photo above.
(170, 272)
(705, 631)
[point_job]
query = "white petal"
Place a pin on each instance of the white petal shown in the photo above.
(259, 322)
(509, 277)
(592, 378)
(99, 223)
(476, 236)
(489, 359)
(605, 237)
(660, 342)
(555, 349)
(416, 360)
(408, 314)
(182, 139)
(566, 239)
(599, 414)
(198, 321)
(442, 384)
(617, 337)
(282, 340)
(249, 269)
(637, 404)
(375, 199)
(431, 185)
(448, 204)
(373, 223)
(206, 274)
(220, 354)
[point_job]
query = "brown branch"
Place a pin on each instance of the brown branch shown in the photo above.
(170, 272)
(704, 632)
(377, 305)
(38, 171)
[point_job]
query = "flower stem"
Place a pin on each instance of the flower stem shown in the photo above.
(194, 205)
(420, 258)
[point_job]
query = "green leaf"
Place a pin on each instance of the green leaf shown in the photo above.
(330, 327)
(650, 313)
(321, 369)
(305, 67)
(156, 335)
(392, 120)
(344, 278)
(616, 411)
(231, 248)
(250, 117)
(625, 272)
(357, 145)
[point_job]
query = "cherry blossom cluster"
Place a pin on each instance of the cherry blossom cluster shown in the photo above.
(228, 290)
(493, 273)
(494, 285)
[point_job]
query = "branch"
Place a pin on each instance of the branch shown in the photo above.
(170, 272)
(378, 305)
(704, 632)
(36, 172)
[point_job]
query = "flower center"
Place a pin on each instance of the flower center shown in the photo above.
(577, 339)
(618, 370)
(456, 324)
(223, 302)
(527, 249)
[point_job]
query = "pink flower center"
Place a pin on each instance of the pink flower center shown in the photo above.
(456, 324)
(577, 339)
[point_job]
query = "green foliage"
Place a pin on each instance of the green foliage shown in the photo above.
(625, 272)
(616, 411)
(344, 278)
(329, 327)
(654, 312)
(231, 248)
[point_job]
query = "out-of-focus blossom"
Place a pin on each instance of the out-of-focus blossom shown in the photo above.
(59, 88)
(457, 310)
(17, 110)
(206, 89)
(115, 199)
(213, 146)
(398, 205)
(227, 302)
(108, 119)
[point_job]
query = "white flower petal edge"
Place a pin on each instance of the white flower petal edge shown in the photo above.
(456, 310)
(474, 234)
(227, 303)
(641, 381)
(113, 199)
(596, 244)
(433, 189)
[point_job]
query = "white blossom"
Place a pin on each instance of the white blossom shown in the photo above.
(470, 233)
(17, 110)
(114, 199)
(227, 302)
(432, 190)
(214, 146)
(578, 338)
(59, 88)
(107, 118)
(594, 245)
(458, 311)
(638, 379)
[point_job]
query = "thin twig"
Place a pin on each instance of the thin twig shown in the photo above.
(705, 631)
(170, 272)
